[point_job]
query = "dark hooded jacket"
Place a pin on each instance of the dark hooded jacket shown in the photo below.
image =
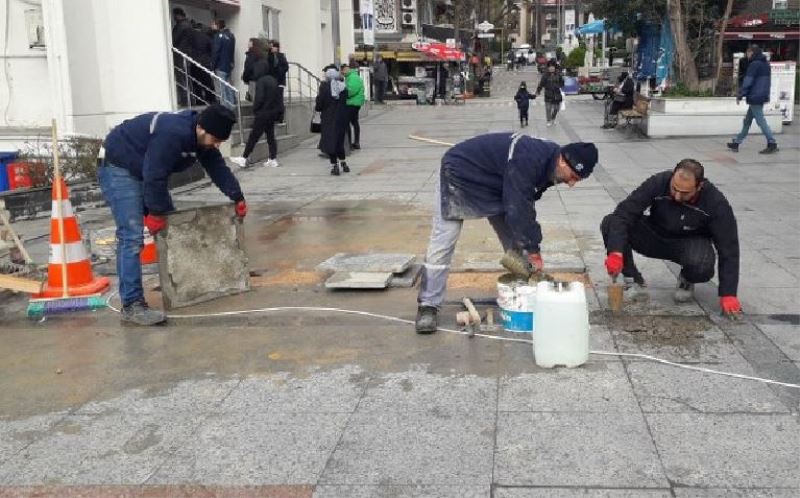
(756, 84)
(523, 98)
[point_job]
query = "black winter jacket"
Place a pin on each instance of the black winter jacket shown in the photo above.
(552, 84)
(268, 96)
(710, 216)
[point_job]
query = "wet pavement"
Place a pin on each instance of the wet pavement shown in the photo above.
(324, 403)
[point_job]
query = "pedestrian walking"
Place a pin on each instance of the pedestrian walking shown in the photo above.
(755, 90)
(140, 155)
(381, 76)
(267, 107)
(355, 99)
(255, 53)
(688, 217)
(622, 98)
(523, 99)
(279, 67)
(331, 103)
(498, 176)
(551, 83)
(222, 53)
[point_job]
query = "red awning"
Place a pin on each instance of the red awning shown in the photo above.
(439, 51)
(762, 35)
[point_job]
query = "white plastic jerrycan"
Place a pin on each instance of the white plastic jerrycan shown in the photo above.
(562, 325)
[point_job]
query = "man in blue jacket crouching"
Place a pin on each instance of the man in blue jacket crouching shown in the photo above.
(498, 176)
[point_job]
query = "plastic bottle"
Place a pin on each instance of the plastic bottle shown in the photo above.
(562, 325)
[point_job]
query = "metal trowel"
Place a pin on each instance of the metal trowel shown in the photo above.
(615, 293)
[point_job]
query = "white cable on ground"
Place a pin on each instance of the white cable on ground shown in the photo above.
(460, 332)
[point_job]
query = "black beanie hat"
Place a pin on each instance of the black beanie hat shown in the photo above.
(581, 157)
(217, 120)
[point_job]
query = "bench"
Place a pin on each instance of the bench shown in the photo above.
(637, 113)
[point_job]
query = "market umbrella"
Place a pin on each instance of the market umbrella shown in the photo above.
(592, 28)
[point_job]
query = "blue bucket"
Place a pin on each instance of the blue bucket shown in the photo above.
(517, 321)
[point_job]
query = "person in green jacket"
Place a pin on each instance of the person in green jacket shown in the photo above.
(355, 99)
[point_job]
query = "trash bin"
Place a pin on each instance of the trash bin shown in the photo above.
(5, 159)
(19, 175)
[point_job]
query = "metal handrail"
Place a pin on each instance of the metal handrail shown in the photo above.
(311, 85)
(188, 87)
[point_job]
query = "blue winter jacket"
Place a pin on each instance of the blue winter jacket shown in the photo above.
(757, 80)
(222, 51)
(154, 145)
(499, 174)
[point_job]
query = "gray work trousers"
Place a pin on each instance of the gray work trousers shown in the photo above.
(442, 245)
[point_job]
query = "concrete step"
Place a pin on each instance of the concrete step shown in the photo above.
(280, 129)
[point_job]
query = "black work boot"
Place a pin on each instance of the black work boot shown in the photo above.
(345, 167)
(733, 146)
(427, 320)
(139, 313)
(771, 149)
(335, 170)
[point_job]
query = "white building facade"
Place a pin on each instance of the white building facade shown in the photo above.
(89, 64)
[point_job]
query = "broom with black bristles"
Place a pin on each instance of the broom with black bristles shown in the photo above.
(65, 303)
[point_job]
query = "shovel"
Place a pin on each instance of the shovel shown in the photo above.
(615, 292)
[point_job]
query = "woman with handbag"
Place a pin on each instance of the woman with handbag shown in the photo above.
(551, 82)
(622, 99)
(332, 105)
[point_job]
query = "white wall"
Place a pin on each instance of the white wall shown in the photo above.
(25, 88)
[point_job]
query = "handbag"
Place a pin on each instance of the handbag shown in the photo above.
(316, 126)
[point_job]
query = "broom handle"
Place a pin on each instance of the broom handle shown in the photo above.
(59, 212)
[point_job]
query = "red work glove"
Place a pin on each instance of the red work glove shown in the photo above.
(155, 223)
(730, 305)
(241, 209)
(535, 260)
(614, 263)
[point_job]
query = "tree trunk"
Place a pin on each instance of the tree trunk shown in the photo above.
(687, 69)
(723, 27)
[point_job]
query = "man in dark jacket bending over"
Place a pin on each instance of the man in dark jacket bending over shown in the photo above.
(140, 154)
(498, 176)
(687, 215)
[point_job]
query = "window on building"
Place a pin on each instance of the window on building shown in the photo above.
(357, 14)
(270, 19)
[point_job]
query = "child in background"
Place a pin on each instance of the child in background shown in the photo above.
(523, 99)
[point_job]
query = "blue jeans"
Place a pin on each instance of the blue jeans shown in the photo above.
(755, 112)
(123, 192)
(224, 90)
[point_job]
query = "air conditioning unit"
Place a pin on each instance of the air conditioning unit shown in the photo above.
(408, 4)
(409, 18)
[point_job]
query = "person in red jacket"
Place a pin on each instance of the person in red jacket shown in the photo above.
(688, 218)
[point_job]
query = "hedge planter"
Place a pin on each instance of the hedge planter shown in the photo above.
(701, 116)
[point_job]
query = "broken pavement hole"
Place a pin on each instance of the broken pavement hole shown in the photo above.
(660, 330)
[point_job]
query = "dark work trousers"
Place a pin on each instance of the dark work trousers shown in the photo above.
(380, 90)
(352, 120)
(264, 123)
(523, 114)
(282, 115)
(695, 255)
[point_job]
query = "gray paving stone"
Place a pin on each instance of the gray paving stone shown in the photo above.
(709, 345)
(358, 280)
(377, 263)
(611, 449)
(333, 391)
(732, 450)
(255, 448)
(387, 448)
(664, 388)
(736, 493)
(121, 448)
(17, 434)
(599, 387)
(418, 391)
(390, 491)
(786, 337)
(580, 493)
(406, 279)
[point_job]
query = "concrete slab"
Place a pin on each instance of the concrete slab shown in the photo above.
(406, 279)
(15, 435)
(600, 387)
(413, 448)
(255, 448)
(400, 491)
(576, 449)
(201, 256)
(737, 493)
(786, 337)
(731, 450)
(358, 280)
(538, 492)
(372, 263)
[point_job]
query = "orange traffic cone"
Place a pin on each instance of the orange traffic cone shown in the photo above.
(149, 254)
(69, 273)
